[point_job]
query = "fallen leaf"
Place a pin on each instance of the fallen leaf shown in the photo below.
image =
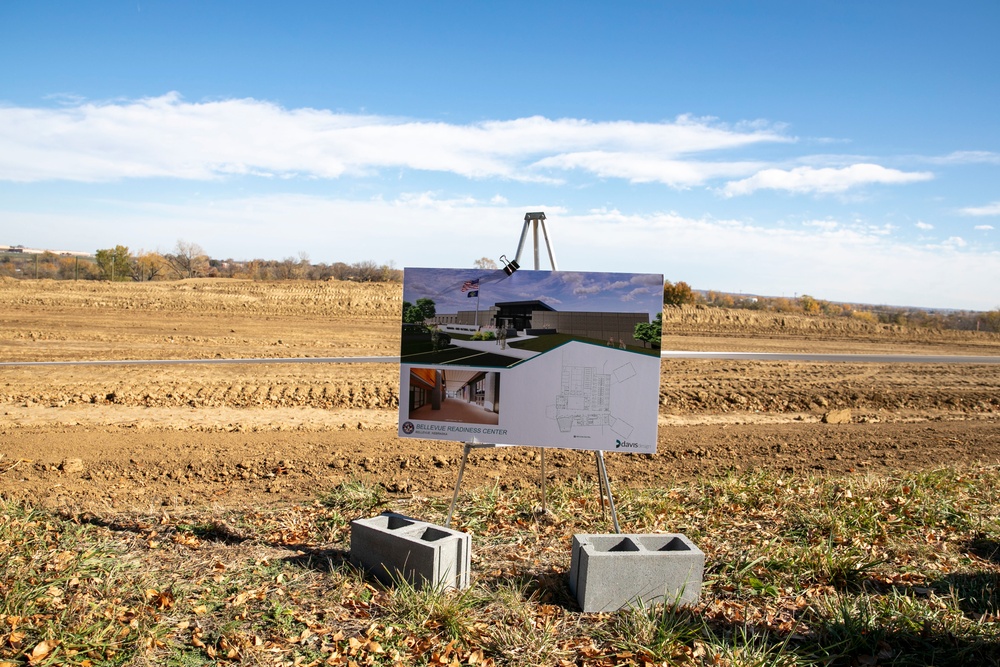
(163, 599)
(41, 650)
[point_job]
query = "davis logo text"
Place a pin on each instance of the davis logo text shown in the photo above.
(621, 444)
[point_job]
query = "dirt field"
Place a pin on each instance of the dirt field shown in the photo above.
(229, 434)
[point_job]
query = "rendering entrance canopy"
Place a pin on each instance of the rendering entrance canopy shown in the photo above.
(538, 358)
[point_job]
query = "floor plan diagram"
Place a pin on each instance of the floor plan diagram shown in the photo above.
(585, 399)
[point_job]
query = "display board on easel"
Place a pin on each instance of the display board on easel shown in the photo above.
(547, 369)
(537, 358)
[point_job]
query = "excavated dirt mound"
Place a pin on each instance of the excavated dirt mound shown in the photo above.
(707, 323)
(225, 433)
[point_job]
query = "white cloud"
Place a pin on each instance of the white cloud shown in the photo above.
(828, 225)
(639, 292)
(168, 137)
(823, 180)
(847, 261)
(924, 225)
(988, 210)
(647, 168)
(983, 228)
(966, 157)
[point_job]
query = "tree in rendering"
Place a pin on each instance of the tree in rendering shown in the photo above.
(424, 309)
(649, 332)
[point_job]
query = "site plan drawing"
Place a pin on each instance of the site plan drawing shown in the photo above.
(585, 399)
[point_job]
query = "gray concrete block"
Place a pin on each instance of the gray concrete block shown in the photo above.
(392, 546)
(609, 572)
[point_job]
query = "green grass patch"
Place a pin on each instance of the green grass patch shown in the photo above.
(552, 341)
(71, 593)
(893, 570)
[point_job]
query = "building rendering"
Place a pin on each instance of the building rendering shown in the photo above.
(538, 318)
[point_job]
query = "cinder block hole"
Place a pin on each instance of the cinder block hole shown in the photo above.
(676, 544)
(625, 545)
(433, 534)
(397, 522)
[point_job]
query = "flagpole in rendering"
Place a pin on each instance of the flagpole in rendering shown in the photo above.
(472, 287)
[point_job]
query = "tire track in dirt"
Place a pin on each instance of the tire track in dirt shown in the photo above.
(259, 432)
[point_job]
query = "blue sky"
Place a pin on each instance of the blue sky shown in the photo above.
(847, 150)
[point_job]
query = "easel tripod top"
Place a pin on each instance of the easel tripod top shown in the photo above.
(536, 220)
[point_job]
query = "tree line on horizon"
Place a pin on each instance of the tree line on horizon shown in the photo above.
(189, 260)
(681, 294)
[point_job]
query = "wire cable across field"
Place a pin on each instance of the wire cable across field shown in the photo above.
(666, 354)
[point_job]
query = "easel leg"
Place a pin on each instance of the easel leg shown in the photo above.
(600, 484)
(607, 485)
(543, 480)
(458, 483)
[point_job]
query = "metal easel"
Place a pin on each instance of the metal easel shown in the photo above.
(536, 220)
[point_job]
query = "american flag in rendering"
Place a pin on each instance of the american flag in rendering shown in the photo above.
(470, 285)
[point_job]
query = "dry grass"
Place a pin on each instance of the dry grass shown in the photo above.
(800, 571)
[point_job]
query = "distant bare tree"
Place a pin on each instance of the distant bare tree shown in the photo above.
(367, 271)
(340, 271)
(485, 263)
(188, 260)
(305, 267)
(286, 269)
(390, 274)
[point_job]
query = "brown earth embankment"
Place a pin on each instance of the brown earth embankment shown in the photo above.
(199, 432)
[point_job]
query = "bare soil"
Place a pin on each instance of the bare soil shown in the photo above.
(144, 435)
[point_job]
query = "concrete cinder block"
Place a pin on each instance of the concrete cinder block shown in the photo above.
(392, 546)
(609, 572)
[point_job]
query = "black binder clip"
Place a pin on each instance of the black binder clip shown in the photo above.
(509, 267)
